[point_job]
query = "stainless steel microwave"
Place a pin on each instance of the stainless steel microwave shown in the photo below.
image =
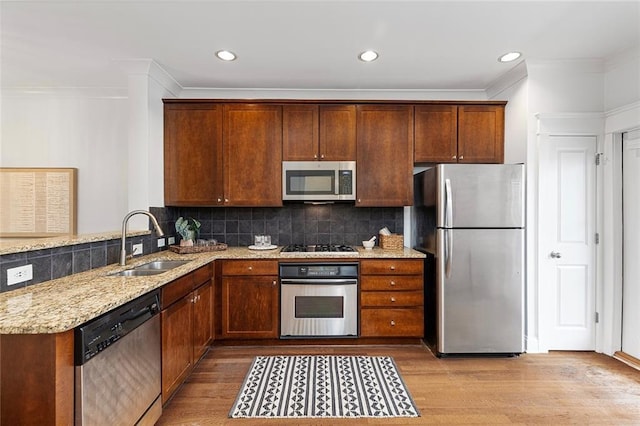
(319, 180)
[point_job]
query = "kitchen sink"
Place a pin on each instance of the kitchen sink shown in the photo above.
(152, 268)
(137, 272)
(164, 265)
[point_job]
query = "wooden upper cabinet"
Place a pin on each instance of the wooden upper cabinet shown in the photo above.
(253, 154)
(193, 154)
(436, 133)
(480, 134)
(337, 132)
(300, 132)
(384, 155)
(319, 132)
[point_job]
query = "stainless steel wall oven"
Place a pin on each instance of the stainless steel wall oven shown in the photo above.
(319, 300)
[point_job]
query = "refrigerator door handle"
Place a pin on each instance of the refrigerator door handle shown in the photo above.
(448, 204)
(448, 252)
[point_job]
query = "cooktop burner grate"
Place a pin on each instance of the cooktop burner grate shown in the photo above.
(318, 248)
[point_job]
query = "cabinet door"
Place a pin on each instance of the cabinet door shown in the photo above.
(480, 134)
(299, 132)
(337, 132)
(253, 155)
(193, 154)
(177, 348)
(202, 319)
(384, 155)
(249, 307)
(436, 134)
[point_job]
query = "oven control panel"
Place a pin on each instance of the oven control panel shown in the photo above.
(319, 270)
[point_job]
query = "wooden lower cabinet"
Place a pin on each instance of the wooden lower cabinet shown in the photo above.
(249, 300)
(187, 326)
(37, 386)
(391, 298)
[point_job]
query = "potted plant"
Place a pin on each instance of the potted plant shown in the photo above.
(189, 230)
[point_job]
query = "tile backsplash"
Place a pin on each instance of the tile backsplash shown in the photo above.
(291, 224)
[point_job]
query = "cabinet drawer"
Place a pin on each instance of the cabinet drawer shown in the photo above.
(391, 298)
(392, 323)
(250, 267)
(176, 290)
(391, 266)
(391, 282)
(201, 275)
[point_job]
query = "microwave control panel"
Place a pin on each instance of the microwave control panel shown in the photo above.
(345, 185)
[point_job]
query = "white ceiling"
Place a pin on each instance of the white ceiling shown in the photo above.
(423, 45)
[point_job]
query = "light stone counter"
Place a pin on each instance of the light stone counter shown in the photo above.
(63, 304)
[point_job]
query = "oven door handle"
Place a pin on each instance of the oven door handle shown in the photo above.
(321, 281)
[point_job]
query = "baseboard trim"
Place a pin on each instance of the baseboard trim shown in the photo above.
(627, 359)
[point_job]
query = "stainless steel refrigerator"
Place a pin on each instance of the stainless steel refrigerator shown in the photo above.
(470, 218)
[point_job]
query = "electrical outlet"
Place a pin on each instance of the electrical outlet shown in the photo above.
(137, 249)
(171, 240)
(161, 242)
(19, 274)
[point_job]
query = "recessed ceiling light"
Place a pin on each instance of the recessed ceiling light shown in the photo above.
(226, 55)
(368, 56)
(509, 57)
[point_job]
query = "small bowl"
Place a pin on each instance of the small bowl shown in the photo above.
(368, 245)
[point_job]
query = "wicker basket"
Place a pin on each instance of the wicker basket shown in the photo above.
(197, 249)
(391, 242)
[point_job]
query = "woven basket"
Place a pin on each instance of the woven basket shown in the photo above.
(391, 242)
(197, 249)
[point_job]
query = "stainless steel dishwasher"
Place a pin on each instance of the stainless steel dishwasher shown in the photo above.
(117, 358)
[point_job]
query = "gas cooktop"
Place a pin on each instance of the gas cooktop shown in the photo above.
(320, 250)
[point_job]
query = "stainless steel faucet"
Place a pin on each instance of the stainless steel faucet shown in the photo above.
(123, 248)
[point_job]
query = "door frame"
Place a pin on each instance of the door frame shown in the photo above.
(616, 122)
(566, 124)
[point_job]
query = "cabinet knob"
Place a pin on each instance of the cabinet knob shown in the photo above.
(393, 323)
(359, 200)
(315, 156)
(219, 199)
(462, 157)
(251, 268)
(274, 283)
(322, 156)
(226, 200)
(393, 299)
(392, 267)
(454, 157)
(392, 283)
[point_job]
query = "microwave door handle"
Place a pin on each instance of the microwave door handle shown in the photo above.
(336, 182)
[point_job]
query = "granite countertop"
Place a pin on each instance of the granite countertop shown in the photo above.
(60, 305)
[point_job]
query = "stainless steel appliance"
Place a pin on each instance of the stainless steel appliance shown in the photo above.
(470, 217)
(319, 180)
(319, 299)
(117, 359)
(319, 249)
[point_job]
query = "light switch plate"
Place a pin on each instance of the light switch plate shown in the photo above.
(161, 242)
(171, 240)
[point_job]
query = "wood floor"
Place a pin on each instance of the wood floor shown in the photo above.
(555, 388)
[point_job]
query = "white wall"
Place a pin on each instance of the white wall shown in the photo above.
(87, 131)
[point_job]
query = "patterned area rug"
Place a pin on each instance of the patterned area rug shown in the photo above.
(323, 386)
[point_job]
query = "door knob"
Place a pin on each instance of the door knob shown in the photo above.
(555, 255)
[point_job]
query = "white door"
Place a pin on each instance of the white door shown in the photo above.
(631, 243)
(567, 255)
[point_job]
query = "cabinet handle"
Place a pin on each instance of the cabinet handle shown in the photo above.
(393, 323)
(393, 299)
(392, 283)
